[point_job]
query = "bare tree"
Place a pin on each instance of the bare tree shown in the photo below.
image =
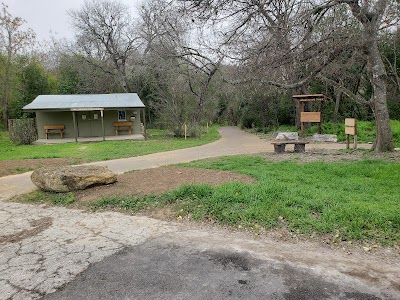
(106, 34)
(256, 28)
(13, 40)
(372, 16)
(171, 35)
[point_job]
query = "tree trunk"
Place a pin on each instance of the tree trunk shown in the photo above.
(384, 138)
(338, 97)
(5, 109)
(7, 82)
(376, 68)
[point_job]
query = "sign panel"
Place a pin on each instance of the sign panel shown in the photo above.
(350, 122)
(310, 117)
(350, 130)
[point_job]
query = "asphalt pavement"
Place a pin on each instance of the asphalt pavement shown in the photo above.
(162, 269)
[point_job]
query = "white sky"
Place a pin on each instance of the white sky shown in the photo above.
(46, 16)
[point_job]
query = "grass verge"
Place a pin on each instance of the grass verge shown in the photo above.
(38, 196)
(349, 201)
(102, 150)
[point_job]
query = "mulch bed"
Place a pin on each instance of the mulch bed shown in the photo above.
(157, 181)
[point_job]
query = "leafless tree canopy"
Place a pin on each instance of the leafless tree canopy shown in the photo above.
(234, 61)
(105, 32)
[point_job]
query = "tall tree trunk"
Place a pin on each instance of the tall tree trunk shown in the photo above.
(376, 68)
(7, 83)
(384, 137)
(4, 107)
(338, 97)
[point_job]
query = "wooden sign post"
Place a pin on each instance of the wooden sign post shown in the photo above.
(351, 129)
(314, 117)
(309, 116)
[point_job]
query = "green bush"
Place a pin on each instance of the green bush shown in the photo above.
(23, 131)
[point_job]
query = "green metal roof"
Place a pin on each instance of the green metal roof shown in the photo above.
(76, 102)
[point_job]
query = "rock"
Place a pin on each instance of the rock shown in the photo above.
(287, 136)
(66, 179)
(332, 138)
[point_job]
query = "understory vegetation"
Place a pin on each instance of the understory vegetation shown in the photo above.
(352, 201)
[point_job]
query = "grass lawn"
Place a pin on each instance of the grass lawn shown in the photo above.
(102, 150)
(352, 201)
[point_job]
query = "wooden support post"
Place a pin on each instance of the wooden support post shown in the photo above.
(355, 141)
(299, 148)
(144, 123)
(347, 141)
(320, 121)
(279, 148)
(302, 123)
(102, 125)
(75, 125)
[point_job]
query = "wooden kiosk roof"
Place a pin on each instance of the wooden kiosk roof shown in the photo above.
(311, 98)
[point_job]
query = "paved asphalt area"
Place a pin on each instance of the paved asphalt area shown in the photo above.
(159, 269)
(59, 253)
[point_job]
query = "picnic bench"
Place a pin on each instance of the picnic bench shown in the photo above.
(299, 147)
(123, 126)
(54, 129)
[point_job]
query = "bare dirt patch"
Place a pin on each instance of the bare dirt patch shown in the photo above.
(332, 155)
(157, 181)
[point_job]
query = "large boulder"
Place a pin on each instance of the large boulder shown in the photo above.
(287, 136)
(66, 179)
(331, 138)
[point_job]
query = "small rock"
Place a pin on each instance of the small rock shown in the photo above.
(287, 136)
(331, 138)
(66, 179)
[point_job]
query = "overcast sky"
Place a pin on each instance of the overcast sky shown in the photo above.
(45, 16)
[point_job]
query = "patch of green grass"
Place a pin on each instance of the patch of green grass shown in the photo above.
(102, 150)
(40, 196)
(136, 204)
(352, 201)
(156, 134)
(22, 170)
(395, 125)
(359, 200)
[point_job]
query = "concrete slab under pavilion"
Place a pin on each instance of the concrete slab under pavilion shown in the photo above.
(131, 137)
